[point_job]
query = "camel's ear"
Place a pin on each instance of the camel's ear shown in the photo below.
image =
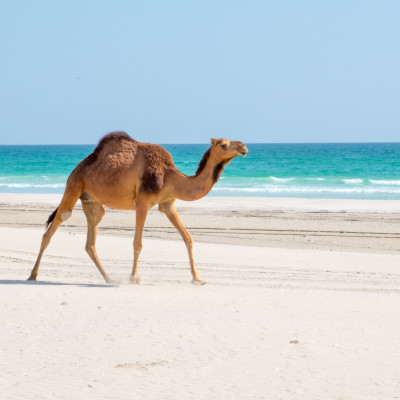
(214, 142)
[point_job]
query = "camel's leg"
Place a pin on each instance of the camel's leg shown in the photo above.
(141, 213)
(64, 211)
(94, 213)
(45, 242)
(170, 211)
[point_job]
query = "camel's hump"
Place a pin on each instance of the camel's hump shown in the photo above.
(117, 136)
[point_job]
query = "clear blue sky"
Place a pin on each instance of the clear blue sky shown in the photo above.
(184, 71)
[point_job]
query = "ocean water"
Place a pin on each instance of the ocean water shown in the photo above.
(359, 170)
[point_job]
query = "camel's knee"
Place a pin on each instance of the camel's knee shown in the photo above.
(65, 215)
(189, 240)
(89, 249)
(98, 213)
(137, 247)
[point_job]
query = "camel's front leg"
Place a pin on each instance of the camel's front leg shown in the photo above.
(141, 213)
(170, 211)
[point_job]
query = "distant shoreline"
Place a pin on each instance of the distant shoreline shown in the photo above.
(231, 202)
(206, 143)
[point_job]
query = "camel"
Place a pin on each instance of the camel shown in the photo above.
(125, 174)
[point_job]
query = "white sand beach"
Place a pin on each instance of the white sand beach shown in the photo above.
(302, 302)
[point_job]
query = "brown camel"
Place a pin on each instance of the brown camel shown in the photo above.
(124, 174)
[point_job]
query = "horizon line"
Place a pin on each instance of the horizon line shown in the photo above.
(175, 143)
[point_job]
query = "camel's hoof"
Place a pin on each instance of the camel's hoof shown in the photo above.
(198, 282)
(111, 281)
(134, 280)
(31, 278)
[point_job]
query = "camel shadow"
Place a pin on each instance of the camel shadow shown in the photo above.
(47, 283)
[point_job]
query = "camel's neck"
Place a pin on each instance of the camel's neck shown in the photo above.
(195, 187)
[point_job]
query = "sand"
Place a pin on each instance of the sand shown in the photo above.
(302, 302)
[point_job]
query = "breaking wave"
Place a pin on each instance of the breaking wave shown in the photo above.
(304, 189)
(310, 187)
(30, 185)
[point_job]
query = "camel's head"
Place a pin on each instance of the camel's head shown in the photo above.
(227, 149)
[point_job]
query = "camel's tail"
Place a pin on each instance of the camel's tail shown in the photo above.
(52, 216)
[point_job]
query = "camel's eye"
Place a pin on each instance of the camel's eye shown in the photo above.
(224, 145)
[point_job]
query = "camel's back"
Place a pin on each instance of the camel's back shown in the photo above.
(117, 150)
(118, 160)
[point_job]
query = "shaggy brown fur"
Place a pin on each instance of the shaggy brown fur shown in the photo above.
(219, 168)
(203, 162)
(157, 162)
(116, 137)
(112, 137)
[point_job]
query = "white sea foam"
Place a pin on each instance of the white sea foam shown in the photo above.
(384, 182)
(29, 185)
(308, 190)
(275, 179)
(353, 181)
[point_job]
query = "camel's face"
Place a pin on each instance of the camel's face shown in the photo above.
(227, 149)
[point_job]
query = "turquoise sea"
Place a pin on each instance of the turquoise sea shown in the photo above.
(357, 170)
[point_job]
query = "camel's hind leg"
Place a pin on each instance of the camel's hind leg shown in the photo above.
(94, 213)
(63, 212)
